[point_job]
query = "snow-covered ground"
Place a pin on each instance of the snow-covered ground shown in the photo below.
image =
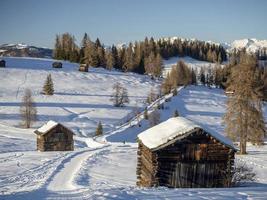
(80, 101)
(105, 168)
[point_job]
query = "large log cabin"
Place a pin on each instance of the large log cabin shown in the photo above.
(180, 154)
(53, 136)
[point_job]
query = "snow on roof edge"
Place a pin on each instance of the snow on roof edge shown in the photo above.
(161, 134)
(46, 127)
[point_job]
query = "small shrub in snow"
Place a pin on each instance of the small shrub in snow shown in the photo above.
(242, 174)
(99, 129)
(176, 113)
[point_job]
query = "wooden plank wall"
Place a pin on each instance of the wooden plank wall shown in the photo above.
(196, 161)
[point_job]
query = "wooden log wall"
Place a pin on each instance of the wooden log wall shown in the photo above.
(146, 167)
(199, 160)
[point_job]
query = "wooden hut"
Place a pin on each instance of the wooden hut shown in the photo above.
(53, 136)
(83, 68)
(2, 63)
(57, 64)
(179, 153)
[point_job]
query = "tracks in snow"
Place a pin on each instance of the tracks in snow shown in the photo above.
(24, 81)
(64, 175)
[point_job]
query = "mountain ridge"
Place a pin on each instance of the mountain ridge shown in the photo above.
(23, 50)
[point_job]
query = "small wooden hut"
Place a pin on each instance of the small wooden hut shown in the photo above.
(57, 64)
(83, 68)
(53, 136)
(179, 153)
(2, 63)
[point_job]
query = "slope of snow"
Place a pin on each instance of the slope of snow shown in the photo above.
(80, 101)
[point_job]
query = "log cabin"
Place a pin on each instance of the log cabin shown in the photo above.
(2, 63)
(83, 68)
(53, 136)
(57, 64)
(181, 154)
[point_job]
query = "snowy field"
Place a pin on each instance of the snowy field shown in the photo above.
(104, 168)
(81, 99)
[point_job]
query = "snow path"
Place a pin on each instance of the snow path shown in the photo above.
(64, 178)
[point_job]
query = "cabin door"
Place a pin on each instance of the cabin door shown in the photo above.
(194, 175)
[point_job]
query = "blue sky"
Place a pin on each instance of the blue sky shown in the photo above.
(37, 22)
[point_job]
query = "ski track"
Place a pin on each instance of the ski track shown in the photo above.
(24, 81)
(63, 179)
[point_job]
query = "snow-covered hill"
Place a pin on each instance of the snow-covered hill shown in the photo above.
(80, 101)
(107, 171)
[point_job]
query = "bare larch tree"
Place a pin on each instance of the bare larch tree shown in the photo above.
(244, 120)
(28, 110)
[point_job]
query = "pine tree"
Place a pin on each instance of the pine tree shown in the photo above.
(176, 113)
(244, 120)
(158, 66)
(109, 60)
(202, 76)
(48, 88)
(28, 110)
(149, 63)
(101, 59)
(57, 49)
(193, 77)
(99, 129)
(91, 54)
(128, 64)
(114, 53)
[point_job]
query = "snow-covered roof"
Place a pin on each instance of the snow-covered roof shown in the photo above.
(46, 127)
(174, 128)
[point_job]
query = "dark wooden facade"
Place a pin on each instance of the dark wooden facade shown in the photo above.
(57, 64)
(195, 161)
(58, 138)
(2, 63)
(83, 68)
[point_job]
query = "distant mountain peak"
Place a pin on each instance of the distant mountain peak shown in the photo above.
(251, 44)
(24, 50)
